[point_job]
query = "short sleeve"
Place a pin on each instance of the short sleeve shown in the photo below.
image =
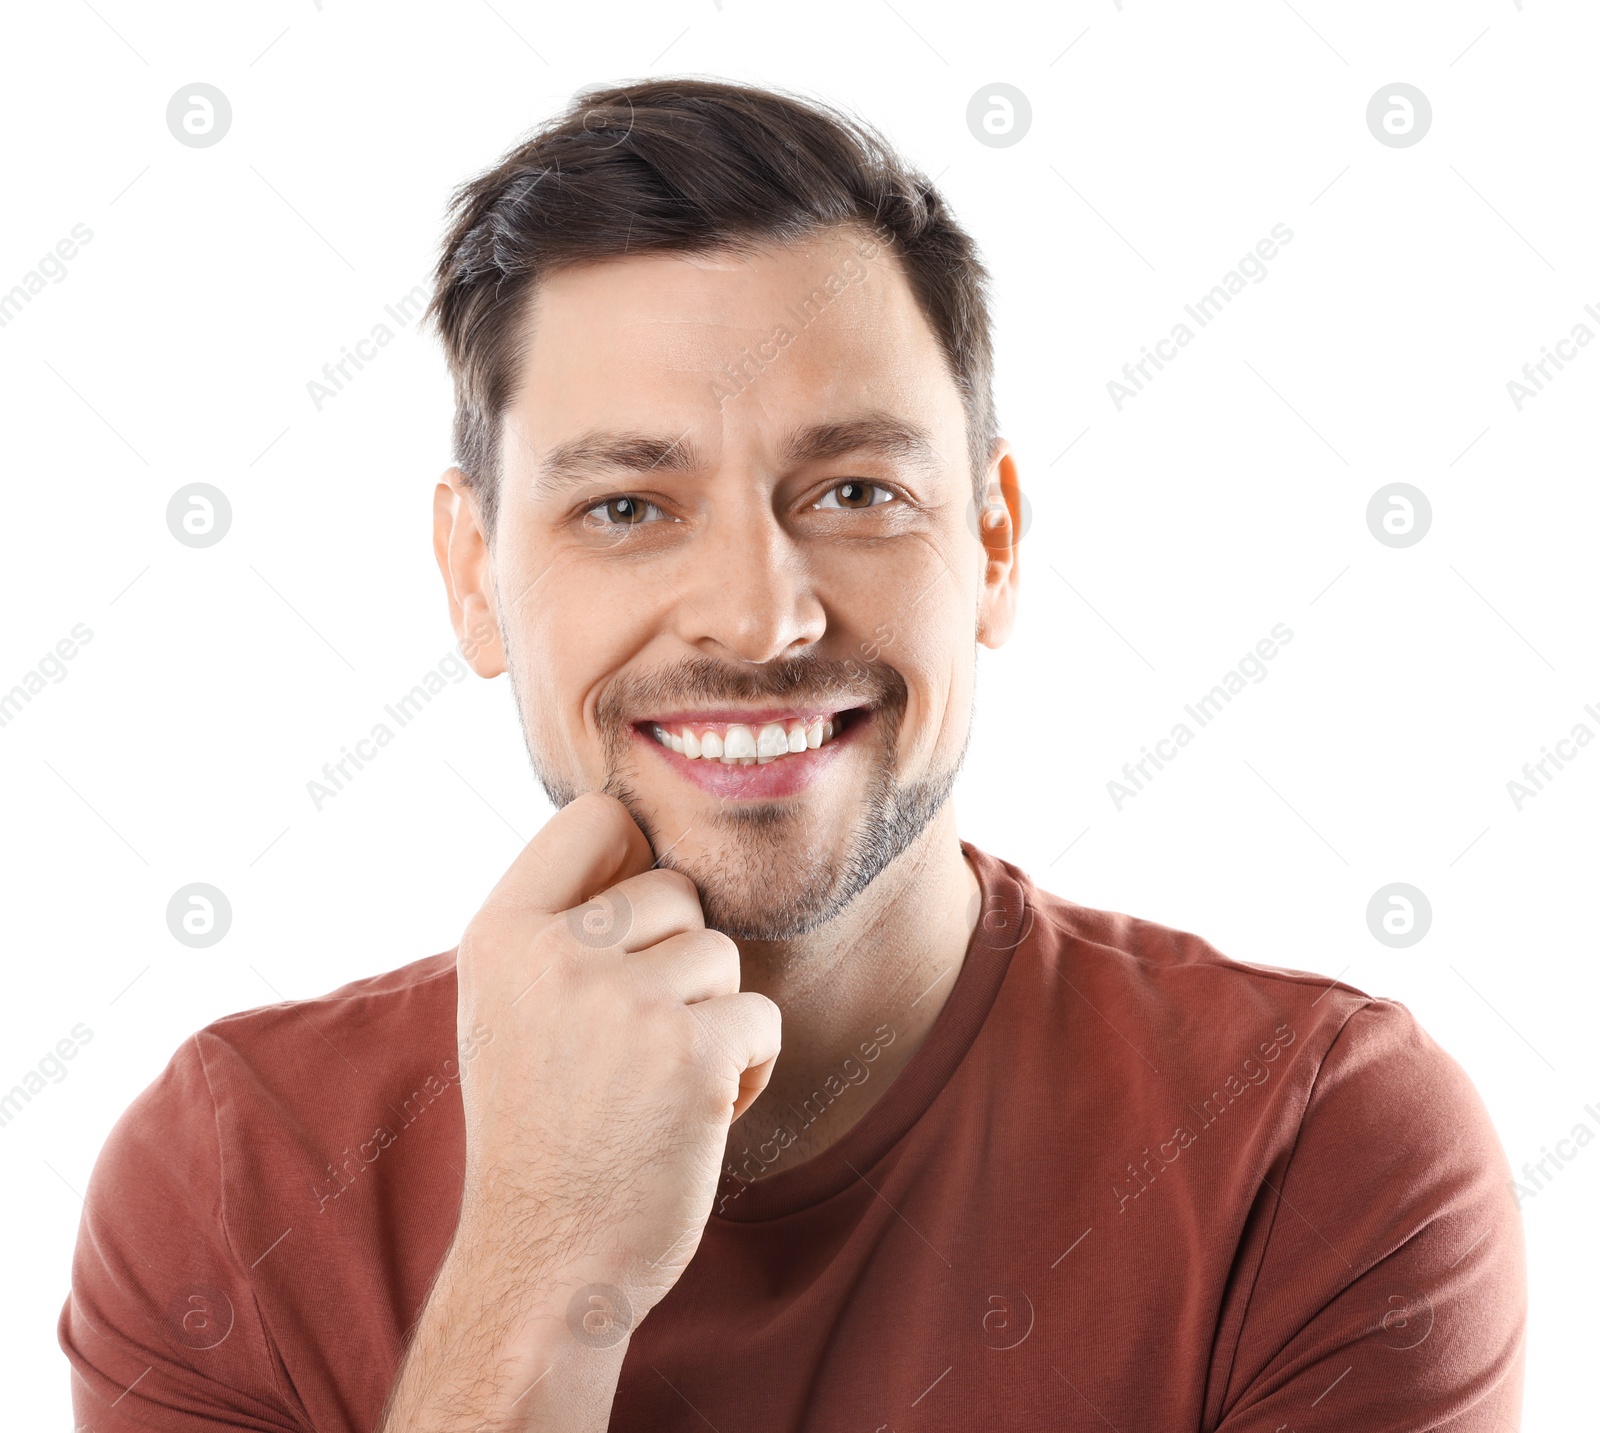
(161, 1327)
(1391, 1293)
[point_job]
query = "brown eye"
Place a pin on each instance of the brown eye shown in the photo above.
(855, 495)
(626, 510)
(622, 512)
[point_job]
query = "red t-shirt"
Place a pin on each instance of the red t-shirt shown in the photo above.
(1125, 1181)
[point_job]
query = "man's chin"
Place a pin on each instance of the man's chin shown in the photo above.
(767, 874)
(748, 916)
(764, 873)
(778, 898)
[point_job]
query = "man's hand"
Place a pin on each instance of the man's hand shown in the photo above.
(619, 1051)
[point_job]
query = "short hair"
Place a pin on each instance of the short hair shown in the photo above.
(691, 166)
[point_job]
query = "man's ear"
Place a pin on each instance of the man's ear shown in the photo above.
(1001, 522)
(462, 550)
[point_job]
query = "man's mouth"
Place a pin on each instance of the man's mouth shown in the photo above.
(745, 753)
(748, 738)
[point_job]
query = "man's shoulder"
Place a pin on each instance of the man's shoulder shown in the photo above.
(368, 1016)
(304, 1068)
(1161, 1015)
(1348, 1085)
(1163, 972)
(275, 1090)
(260, 1168)
(1170, 1012)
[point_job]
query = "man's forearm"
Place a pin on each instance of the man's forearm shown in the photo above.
(493, 1351)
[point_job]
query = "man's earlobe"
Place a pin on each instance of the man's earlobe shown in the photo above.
(478, 634)
(480, 644)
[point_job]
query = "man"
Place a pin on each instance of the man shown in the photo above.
(753, 1098)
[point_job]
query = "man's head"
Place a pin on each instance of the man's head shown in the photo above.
(724, 436)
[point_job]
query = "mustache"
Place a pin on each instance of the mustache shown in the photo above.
(813, 682)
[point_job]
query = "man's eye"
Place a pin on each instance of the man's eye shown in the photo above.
(622, 512)
(855, 495)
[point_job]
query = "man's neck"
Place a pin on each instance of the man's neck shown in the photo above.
(858, 997)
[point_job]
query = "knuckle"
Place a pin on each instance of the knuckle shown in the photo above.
(678, 881)
(768, 1014)
(604, 921)
(722, 955)
(722, 942)
(595, 805)
(599, 812)
(674, 890)
(711, 945)
(763, 1005)
(709, 1047)
(711, 1081)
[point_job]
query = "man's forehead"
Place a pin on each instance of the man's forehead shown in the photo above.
(688, 310)
(723, 266)
(667, 362)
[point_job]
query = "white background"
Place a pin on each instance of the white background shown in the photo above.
(1229, 496)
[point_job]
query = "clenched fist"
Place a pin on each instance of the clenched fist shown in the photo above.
(620, 1051)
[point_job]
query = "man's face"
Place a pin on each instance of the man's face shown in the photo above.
(735, 575)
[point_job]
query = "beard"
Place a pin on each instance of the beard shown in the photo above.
(771, 880)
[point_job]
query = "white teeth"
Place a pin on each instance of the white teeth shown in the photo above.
(747, 745)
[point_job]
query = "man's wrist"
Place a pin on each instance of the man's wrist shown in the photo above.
(506, 1344)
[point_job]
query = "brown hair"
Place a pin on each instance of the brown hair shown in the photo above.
(691, 166)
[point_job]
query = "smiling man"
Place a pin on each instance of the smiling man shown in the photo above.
(753, 1097)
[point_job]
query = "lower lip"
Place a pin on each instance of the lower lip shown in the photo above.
(782, 776)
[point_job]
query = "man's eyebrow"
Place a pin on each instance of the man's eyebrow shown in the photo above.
(581, 459)
(879, 433)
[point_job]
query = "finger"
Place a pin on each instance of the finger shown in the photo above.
(747, 1030)
(751, 1084)
(697, 965)
(638, 912)
(588, 845)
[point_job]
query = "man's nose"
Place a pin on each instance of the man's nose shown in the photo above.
(748, 591)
